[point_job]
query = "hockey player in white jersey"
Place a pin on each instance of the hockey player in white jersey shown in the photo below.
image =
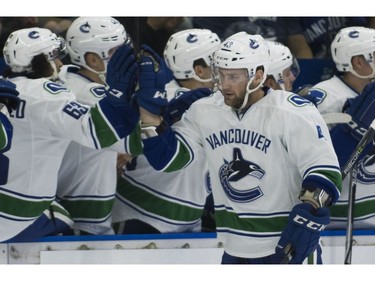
(172, 202)
(353, 53)
(284, 68)
(88, 177)
(350, 91)
(260, 167)
(47, 120)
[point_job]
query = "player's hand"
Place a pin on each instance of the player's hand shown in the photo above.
(151, 94)
(362, 110)
(301, 235)
(121, 75)
(9, 95)
(179, 104)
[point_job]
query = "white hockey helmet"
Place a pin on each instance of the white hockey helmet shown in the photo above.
(185, 47)
(244, 51)
(24, 44)
(95, 35)
(353, 41)
(281, 60)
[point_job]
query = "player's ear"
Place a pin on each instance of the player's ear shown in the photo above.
(92, 60)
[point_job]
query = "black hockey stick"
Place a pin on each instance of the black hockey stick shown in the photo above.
(351, 167)
(353, 159)
(350, 219)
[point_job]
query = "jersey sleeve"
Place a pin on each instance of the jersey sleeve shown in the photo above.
(6, 130)
(310, 146)
(98, 127)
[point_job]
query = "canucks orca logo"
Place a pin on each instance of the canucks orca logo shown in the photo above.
(354, 34)
(253, 44)
(192, 38)
(34, 34)
(366, 170)
(235, 172)
(85, 28)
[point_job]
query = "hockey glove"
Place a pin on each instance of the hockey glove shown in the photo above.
(302, 232)
(179, 104)
(362, 110)
(9, 95)
(153, 76)
(121, 76)
(345, 137)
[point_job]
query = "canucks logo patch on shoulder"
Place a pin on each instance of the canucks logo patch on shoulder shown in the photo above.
(54, 88)
(316, 95)
(297, 100)
(233, 177)
(98, 91)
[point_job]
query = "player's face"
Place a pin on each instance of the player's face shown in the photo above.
(233, 83)
(289, 79)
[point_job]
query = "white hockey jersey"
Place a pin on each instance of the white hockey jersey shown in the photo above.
(87, 177)
(47, 120)
(257, 160)
(170, 202)
(332, 94)
(336, 92)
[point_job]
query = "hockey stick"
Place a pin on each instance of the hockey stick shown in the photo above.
(351, 167)
(350, 220)
(353, 159)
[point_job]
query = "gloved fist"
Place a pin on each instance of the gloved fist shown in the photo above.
(151, 94)
(302, 231)
(179, 104)
(9, 95)
(362, 110)
(121, 75)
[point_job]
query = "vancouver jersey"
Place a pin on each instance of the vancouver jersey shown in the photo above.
(47, 120)
(335, 93)
(332, 94)
(170, 202)
(258, 161)
(87, 176)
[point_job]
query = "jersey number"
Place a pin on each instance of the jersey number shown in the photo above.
(75, 109)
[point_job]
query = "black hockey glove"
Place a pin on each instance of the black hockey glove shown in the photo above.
(121, 76)
(9, 95)
(151, 94)
(301, 235)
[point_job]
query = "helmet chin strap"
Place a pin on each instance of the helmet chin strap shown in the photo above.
(248, 92)
(370, 76)
(55, 74)
(196, 77)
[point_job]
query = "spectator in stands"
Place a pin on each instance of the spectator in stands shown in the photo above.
(311, 37)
